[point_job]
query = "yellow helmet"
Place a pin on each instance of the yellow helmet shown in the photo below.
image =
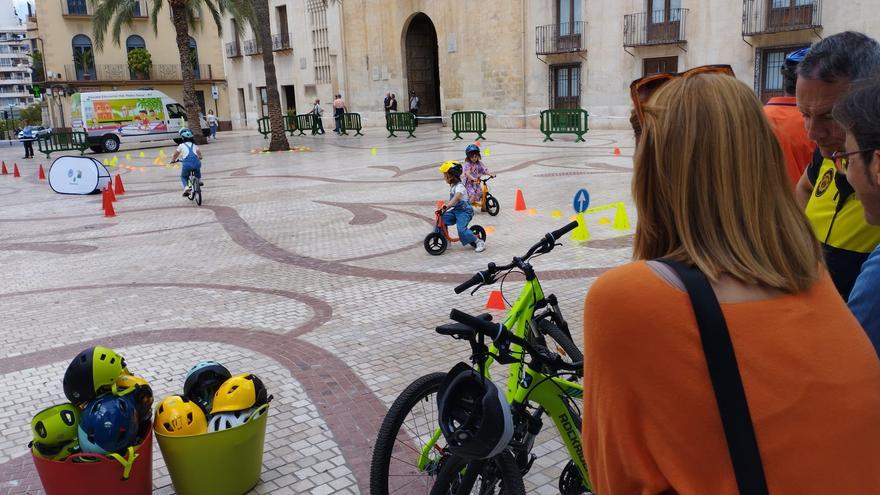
(240, 392)
(445, 168)
(178, 417)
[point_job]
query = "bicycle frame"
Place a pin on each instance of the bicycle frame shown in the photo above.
(441, 227)
(485, 192)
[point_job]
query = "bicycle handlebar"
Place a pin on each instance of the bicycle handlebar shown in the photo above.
(501, 336)
(479, 278)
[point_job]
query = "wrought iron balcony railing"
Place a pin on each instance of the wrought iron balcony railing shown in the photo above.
(251, 47)
(233, 49)
(660, 27)
(281, 42)
(564, 37)
(773, 16)
(121, 72)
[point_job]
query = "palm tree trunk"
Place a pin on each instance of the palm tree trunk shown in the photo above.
(178, 18)
(278, 141)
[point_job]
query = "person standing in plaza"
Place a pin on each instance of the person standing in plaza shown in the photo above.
(414, 106)
(836, 214)
(387, 103)
(212, 124)
(338, 111)
(788, 123)
(811, 380)
(859, 115)
(318, 112)
(392, 106)
(27, 139)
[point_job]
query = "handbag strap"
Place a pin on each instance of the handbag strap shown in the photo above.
(726, 380)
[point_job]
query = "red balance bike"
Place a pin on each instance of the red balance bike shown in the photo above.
(436, 242)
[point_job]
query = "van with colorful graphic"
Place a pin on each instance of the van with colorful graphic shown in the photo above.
(113, 117)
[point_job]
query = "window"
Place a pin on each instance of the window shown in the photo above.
(320, 39)
(789, 13)
(194, 56)
(659, 65)
(134, 41)
(769, 79)
(200, 98)
(264, 102)
(83, 58)
(568, 12)
(664, 10)
(281, 16)
(77, 7)
(242, 106)
(175, 111)
(289, 99)
(136, 10)
(565, 86)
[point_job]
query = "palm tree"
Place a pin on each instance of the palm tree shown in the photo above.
(262, 26)
(186, 16)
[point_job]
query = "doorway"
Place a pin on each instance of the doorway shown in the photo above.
(422, 65)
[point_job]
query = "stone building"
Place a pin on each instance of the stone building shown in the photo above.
(62, 31)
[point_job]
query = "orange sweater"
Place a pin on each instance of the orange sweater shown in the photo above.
(651, 424)
(788, 125)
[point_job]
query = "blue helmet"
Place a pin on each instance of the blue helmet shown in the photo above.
(185, 133)
(108, 424)
(797, 56)
(202, 382)
(472, 148)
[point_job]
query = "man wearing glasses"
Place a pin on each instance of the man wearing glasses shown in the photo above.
(836, 214)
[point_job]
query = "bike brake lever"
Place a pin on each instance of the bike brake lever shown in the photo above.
(476, 289)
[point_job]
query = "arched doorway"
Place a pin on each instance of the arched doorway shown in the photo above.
(422, 65)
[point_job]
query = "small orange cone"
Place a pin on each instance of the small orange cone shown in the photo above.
(520, 204)
(3, 170)
(41, 175)
(109, 211)
(616, 151)
(119, 188)
(110, 192)
(496, 300)
(15, 172)
(105, 200)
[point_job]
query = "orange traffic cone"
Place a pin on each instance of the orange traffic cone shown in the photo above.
(496, 300)
(520, 204)
(109, 211)
(3, 170)
(105, 200)
(110, 192)
(119, 188)
(616, 151)
(41, 175)
(15, 172)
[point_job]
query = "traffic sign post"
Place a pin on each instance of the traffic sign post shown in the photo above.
(581, 203)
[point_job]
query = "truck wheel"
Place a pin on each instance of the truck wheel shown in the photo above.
(110, 143)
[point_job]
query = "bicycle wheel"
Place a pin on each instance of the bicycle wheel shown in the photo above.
(409, 425)
(479, 231)
(564, 345)
(496, 476)
(435, 244)
(492, 206)
(197, 192)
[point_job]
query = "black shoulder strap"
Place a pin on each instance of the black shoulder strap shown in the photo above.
(726, 381)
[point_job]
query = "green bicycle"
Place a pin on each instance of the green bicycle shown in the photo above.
(410, 452)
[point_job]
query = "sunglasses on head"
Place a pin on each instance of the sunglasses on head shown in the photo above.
(641, 89)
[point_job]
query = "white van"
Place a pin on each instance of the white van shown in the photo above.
(113, 117)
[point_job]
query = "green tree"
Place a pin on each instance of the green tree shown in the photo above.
(32, 114)
(186, 16)
(263, 29)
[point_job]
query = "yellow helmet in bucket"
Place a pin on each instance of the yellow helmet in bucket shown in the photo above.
(240, 392)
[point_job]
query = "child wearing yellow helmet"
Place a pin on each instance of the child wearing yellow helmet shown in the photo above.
(457, 210)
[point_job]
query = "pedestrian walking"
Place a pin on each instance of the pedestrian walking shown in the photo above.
(318, 112)
(414, 106)
(212, 124)
(338, 112)
(392, 106)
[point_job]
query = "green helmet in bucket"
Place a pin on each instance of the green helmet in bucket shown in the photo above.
(55, 425)
(55, 452)
(92, 371)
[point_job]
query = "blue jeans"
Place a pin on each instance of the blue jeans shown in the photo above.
(461, 219)
(214, 131)
(184, 173)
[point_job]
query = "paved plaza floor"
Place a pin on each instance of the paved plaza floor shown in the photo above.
(305, 267)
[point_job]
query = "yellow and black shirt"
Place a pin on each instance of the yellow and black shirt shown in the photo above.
(839, 222)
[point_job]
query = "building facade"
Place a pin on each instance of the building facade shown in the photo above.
(15, 68)
(307, 47)
(61, 31)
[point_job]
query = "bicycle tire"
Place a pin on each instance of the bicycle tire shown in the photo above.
(450, 479)
(550, 329)
(424, 388)
(492, 206)
(197, 192)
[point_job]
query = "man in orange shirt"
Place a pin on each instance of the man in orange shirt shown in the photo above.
(788, 123)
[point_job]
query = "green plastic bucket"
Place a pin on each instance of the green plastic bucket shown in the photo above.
(226, 462)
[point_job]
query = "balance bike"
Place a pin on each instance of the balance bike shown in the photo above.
(436, 242)
(487, 201)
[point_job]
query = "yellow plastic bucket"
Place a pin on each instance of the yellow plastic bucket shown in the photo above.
(226, 462)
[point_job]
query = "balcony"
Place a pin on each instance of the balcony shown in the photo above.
(660, 27)
(250, 47)
(775, 16)
(121, 73)
(233, 49)
(281, 42)
(566, 37)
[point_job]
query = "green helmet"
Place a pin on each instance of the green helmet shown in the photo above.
(94, 370)
(55, 452)
(55, 425)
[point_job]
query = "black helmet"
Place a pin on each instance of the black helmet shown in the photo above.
(474, 415)
(202, 382)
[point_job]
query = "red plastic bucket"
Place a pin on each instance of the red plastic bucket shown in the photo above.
(103, 477)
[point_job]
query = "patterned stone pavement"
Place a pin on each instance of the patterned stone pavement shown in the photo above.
(305, 267)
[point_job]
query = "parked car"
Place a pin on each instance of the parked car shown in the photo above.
(37, 131)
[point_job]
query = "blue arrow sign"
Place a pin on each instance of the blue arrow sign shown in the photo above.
(581, 201)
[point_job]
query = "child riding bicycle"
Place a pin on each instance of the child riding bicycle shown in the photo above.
(458, 209)
(189, 153)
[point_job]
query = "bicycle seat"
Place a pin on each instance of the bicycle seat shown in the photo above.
(460, 330)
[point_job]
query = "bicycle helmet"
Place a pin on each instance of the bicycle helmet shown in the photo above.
(471, 148)
(796, 56)
(240, 392)
(177, 416)
(226, 420)
(91, 372)
(140, 391)
(55, 425)
(474, 415)
(55, 452)
(185, 133)
(202, 382)
(451, 167)
(108, 424)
